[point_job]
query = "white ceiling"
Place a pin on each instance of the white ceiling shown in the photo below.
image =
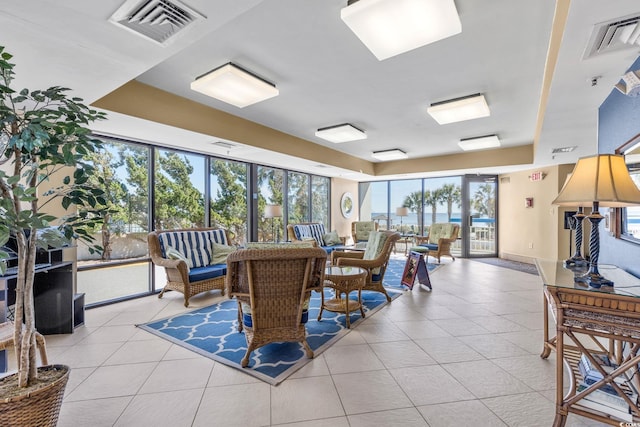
(326, 76)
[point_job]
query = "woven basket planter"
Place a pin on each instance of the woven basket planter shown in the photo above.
(37, 408)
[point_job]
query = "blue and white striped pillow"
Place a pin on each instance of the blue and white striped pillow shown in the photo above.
(196, 246)
(310, 230)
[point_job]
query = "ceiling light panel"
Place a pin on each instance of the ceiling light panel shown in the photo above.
(394, 154)
(391, 27)
(234, 85)
(459, 109)
(341, 133)
(479, 143)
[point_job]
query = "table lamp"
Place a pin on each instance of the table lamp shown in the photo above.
(601, 180)
(273, 211)
(402, 211)
(577, 260)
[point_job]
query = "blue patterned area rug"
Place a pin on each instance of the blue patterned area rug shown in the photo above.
(395, 268)
(212, 332)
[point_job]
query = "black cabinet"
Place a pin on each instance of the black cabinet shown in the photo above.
(58, 309)
(53, 290)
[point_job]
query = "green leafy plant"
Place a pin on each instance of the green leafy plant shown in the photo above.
(44, 138)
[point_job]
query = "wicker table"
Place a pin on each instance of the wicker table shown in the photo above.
(343, 280)
(604, 321)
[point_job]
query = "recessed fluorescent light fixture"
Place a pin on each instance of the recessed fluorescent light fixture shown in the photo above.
(459, 109)
(479, 143)
(394, 154)
(341, 133)
(234, 85)
(391, 27)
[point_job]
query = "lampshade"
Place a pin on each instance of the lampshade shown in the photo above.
(479, 143)
(402, 211)
(604, 179)
(459, 109)
(234, 85)
(394, 154)
(341, 133)
(391, 27)
(272, 211)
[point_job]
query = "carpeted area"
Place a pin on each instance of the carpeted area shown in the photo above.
(212, 332)
(507, 263)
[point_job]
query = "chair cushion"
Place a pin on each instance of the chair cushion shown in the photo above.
(362, 229)
(195, 245)
(332, 238)
(440, 231)
(173, 253)
(374, 247)
(316, 231)
(220, 253)
(209, 272)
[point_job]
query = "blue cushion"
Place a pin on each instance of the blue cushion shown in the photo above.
(248, 322)
(328, 249)
(208, 272)
(375, 277)
(430, 246)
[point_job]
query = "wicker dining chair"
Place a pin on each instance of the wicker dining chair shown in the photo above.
(273, 286)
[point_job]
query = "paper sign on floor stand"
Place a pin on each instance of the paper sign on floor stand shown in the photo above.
(415, 267)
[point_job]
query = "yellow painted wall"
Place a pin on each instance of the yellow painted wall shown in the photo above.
(338, 222)
(536, 232)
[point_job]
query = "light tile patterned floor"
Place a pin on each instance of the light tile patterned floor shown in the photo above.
(465, 354)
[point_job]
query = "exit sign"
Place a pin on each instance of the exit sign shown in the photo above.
(537, 176)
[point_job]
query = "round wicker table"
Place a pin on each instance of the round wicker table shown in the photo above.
(343, 280)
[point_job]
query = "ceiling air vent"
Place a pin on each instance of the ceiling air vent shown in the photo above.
(618, 34)
(157, 20)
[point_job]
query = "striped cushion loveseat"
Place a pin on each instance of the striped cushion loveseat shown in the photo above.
(194, 259)
(313, 232)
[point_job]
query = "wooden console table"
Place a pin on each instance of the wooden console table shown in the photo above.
(589, 322)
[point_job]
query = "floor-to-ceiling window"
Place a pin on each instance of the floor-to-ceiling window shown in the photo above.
(373, 199)
(298, 197)
(406, 194)
(435, 200)
(320, 200)
(228, 195)
(270, 190)
(121, 269)
(150, 187)
(179, 190)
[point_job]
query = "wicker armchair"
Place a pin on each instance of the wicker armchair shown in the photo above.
(272, 287)
(180, 277)
(439, 240)
(360, 231)
(374, 259)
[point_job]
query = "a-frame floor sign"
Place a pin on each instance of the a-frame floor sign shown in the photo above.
(415, 267)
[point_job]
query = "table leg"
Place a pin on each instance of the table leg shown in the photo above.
(348, 313)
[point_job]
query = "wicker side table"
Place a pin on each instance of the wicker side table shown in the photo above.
(343, 280)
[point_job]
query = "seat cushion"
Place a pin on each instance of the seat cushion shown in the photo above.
(208, 272)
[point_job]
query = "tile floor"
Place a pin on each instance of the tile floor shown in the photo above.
(465, 354)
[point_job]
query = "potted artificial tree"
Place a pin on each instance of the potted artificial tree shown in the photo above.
(43, 140)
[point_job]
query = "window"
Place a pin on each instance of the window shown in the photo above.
(631, 215)
(270, 192)
(320, 200)
(298, 197)
(228, 181)
(179, 190)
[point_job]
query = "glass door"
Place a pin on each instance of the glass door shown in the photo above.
(479, 221)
